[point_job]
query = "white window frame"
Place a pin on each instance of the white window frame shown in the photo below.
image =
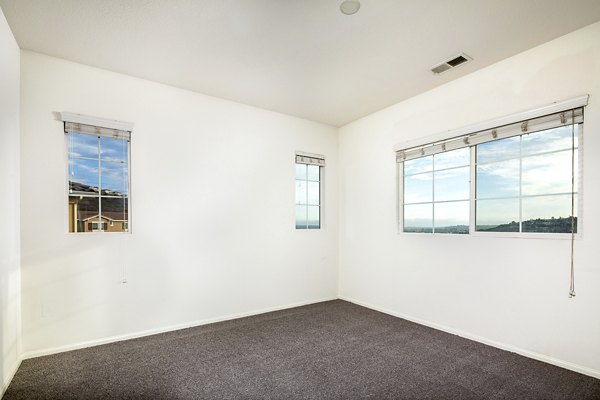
(64, 117)
(553, 108)
(400, 197)
(321, 187)
(534, 235)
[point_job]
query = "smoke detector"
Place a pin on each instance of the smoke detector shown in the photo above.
(452, 63)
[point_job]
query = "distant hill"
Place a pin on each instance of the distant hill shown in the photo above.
(460, 229)
(81, 188)
(552, 225)
(118, 202)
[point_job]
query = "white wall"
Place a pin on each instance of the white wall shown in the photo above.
(212, 211)
(9, 204)
(213, 193)
(512, 292)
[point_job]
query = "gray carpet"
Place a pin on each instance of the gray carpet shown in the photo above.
(330, 350)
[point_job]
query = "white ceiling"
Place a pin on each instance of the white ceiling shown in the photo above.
(299, 57)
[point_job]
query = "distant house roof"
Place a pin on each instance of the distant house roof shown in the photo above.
(80, 188)
(109, 215)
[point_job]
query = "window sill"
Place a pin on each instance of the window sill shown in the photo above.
(505, 235)
(96, 233)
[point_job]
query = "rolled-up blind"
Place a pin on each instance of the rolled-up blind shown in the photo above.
(566, 117)
(78, 123)
(96, 130)
(310, 159)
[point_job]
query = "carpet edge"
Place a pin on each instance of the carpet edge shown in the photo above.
(8, 379)
(503, 346)
(134, 335)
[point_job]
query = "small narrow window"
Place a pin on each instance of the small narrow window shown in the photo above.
(308, 191)
(98, 178)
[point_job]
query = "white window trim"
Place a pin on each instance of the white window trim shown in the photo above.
(472, 208)
(321, 191)
(104, 123)
(95, 121)
(556, 107)
(541, 235)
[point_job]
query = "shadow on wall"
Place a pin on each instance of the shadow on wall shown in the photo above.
(9, 297)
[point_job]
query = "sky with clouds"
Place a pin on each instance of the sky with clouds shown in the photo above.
(543, 169)
(88, 154)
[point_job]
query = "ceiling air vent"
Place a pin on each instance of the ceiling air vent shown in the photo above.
(454, 62)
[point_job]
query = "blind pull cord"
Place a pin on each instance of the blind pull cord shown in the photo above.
(572, 285)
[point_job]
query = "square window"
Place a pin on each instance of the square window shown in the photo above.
(436, 193)
(531, 192)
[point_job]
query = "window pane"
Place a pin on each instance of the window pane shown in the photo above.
(453, 158)
(548, 173)
(418, 188)
(313, 173)
(498, 179)
(549, 140)
(313, 217)
(423, 164)
(113, 149)
(452, 217)
(82, 145)
(497, 215)
(548, 214)
(82, 212)
(87, 177)
(83, 176)
(115, 213)
(115, 180)
(313, 193)
(301, 192)
(498, 150)
(452, 184)
(418, 218)
(301, 215)
(301, 171)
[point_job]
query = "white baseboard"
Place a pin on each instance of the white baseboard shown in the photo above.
(536, 356)
(118, 338)
(9, 378)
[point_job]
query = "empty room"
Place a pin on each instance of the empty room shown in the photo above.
(303, 199)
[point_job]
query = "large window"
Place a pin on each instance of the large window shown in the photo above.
(521, 178)
(308, 191)
(98, 179)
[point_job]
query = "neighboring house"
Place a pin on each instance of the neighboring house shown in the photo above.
(109, 222)
(84, 215)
